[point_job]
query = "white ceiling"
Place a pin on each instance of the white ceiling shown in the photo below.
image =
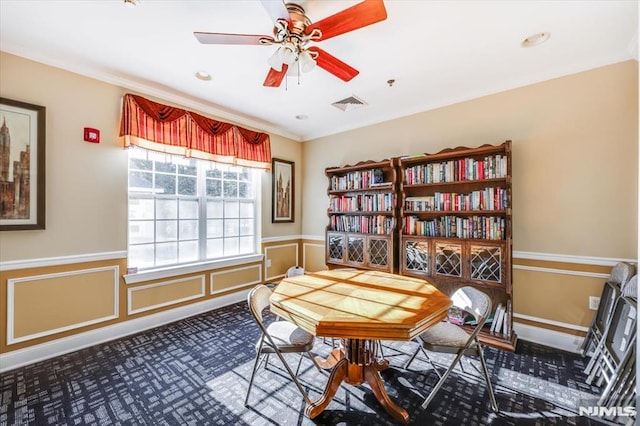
(438, 52)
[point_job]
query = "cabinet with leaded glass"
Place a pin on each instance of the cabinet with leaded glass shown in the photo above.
(362, 211)
(455, 224)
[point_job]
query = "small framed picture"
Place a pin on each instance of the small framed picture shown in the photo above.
(283, 183)
(22, 165)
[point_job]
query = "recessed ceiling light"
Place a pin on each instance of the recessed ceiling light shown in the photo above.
(536, 39)
(302, 117)
(203, 75)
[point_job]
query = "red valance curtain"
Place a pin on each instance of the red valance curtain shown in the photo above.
(159, 127)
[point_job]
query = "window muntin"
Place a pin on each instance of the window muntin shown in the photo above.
(184, 210)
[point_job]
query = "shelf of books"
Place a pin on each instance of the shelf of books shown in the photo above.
(455, 226)
(362, 212)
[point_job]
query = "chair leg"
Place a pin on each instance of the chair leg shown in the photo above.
(438, 385)
(299, 363)
(253, 373)
(487, 378)
(586, 343)
(406, 366)
(333, 341)
(380, 349)
(427, 357)
(313, 360)
(294, 378)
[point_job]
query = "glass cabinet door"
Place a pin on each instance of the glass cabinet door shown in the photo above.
(448, 259)
(486, 263)
(416, 256)
(378, 252)
(336, 247)
(355, 249)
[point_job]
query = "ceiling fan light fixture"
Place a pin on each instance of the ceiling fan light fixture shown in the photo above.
(275, 61)
(288, 53)
(307, 62)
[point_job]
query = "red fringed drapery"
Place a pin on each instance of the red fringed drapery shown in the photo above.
(158, 127)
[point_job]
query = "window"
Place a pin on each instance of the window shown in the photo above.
(184, 210)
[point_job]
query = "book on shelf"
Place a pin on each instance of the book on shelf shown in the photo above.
(378, 177)
(496, 325)
(505, 317)
(378, 184)
(508, 325)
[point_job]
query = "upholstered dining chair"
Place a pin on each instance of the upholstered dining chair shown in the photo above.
(278, 337)
(446, 337)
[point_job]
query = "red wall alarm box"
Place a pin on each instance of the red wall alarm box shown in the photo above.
(91, 135)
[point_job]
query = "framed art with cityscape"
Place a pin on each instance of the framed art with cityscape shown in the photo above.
(22, 165)
(283, 190)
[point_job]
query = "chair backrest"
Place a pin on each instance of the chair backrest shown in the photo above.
(610, 293)
(295, 271)
(474, 302)
(622, 272)
(258, 301)
(621, 334)
(630, 289)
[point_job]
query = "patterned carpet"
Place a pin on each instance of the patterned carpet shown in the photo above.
(195, 372)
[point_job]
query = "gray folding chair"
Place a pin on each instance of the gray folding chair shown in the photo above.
(294, 271)
(279, 337)
(446, 337)
(630, 289)
(609, 296)
(615, 355)
(621, 273)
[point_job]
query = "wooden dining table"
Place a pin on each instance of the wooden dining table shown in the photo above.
(361, 308)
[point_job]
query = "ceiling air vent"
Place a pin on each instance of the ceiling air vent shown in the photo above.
(347, 104)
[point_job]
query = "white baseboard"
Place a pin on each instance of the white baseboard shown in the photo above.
(21, 357)
(555, 339)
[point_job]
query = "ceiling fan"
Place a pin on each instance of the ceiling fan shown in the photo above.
(293, 32)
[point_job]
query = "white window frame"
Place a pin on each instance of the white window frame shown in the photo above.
(202, 263)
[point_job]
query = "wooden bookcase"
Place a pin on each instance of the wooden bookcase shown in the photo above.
(445, 217)
(363, 216)
(455, 225)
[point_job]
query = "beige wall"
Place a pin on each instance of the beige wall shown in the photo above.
(86, 215)
(86, 184)
(284, 149)
(575, 158)
(575, 180)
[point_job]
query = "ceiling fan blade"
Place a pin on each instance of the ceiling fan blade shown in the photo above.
(274, 78)
(362, 14)
(334, 65)
(276, 9)
(223, 38)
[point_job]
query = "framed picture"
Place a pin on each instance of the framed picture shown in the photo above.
(22, 165)
(283, 183)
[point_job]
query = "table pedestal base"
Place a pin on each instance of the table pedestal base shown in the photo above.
(355, 364)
